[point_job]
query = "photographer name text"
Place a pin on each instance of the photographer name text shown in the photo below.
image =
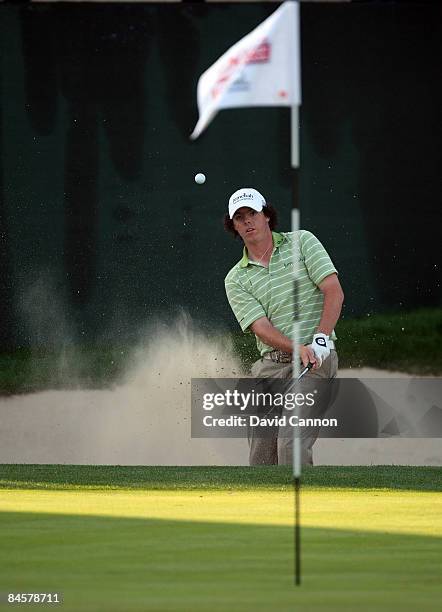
(256, 421)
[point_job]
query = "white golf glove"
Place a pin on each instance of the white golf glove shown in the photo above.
(320, 348)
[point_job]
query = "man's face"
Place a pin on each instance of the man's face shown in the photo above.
(251, 225)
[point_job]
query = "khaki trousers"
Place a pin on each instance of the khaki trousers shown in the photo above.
(276, 448)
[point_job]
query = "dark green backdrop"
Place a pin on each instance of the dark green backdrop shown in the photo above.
(102, 224)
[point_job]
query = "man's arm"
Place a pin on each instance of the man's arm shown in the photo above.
(333, 299)
(264, 329)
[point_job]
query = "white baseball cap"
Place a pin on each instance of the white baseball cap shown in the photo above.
(246, 196)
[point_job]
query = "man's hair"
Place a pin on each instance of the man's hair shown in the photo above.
(268, 211)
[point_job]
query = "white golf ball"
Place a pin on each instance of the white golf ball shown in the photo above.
(200, 178)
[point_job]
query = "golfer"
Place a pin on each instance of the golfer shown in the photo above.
(260, 292)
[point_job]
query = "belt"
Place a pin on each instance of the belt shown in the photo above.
(282, 357)
(278, 356)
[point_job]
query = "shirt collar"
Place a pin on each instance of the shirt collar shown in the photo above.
(278, 239)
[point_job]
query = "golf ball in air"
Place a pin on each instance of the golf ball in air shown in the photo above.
(200, 178)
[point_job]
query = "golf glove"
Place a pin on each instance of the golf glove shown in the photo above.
(320, 348)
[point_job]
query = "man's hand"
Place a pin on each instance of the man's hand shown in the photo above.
(307, 356)
(320, 348)
(270, 335)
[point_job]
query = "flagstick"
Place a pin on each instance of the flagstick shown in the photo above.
(215, 92)
(295, 369)
(297, 485)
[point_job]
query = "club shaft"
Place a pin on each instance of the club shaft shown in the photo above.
(305, 370)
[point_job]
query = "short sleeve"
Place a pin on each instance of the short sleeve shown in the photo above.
(316, 259)
(245, 306)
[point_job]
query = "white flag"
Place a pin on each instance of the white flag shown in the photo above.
(262, 69)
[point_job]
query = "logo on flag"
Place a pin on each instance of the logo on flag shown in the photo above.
(261, 54)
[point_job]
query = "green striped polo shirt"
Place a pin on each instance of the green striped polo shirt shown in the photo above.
(255, 291)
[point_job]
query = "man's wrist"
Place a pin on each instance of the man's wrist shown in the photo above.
(320, 330)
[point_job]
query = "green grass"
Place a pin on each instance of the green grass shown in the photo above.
(217, 478)
(402, 342)
(180, 539)
(405, 342)
(89, 367)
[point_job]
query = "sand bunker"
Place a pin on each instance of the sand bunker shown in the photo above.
(146, 420)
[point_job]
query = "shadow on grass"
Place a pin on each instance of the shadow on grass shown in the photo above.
(239, 478)
(114, 564)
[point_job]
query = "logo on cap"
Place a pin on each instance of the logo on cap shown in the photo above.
(243, 196)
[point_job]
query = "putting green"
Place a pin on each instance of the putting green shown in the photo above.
(200, 550)
(389, 511)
